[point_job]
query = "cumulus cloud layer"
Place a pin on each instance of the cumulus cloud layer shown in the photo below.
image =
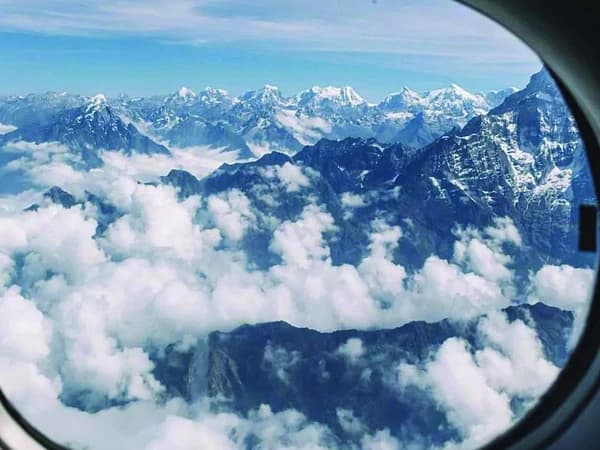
(85, 311)
(475, 387)
(565, 287)
(6, 128)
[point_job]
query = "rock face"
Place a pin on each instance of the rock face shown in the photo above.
(87, 129)
(523, 158)
(59, 196)
(105, 213)
(287, 367)
(186, 183)
(356, 164)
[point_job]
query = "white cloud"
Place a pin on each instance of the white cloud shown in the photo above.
(289, 175)
(476, 410)
(306, 129)
(157, 278)
(25, 332)
(25, 343)
(213, 431)
(483, 252)
(12, 204)
(565, 287)
(46, 164)
(513, 359)
(475, 387)
(504, 230)
(384, 278)
(381, 440)
(292, 177)
(352, 200)
(388, 28)
(168, 272)
(6, 128)
(6, 270)
(562, 286)
(232, 213)
(280, 360)
(54, 239)
(483, 260)
(260, 149)
(444, 290)
(49, 164)
(349, 422)
(177, 426)
(199, 161)
(352, 349)
(42, 152)
(474, 407)
(157, 221)
(300, 243)
(56, 173)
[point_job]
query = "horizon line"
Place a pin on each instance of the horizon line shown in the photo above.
(421, 93)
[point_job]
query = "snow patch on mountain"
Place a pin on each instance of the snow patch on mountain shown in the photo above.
(186, 93)
(95, 103)
(315, 96)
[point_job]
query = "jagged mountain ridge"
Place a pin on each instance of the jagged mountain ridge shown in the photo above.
(288, 367)
(524, 159)
(262, 120)
(87, 129)
(36, 108)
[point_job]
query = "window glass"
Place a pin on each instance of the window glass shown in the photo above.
(362, 235)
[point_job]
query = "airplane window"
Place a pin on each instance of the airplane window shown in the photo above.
(364, 234)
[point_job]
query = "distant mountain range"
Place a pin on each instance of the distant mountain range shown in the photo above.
(253, 124)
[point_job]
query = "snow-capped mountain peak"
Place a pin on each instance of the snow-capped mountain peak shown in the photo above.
(459, 90)
(95, 103)
(183, 96)
(268, 95)
(98, 99)
(265, 115)
(350, 96)
(453, 92)
(405, 99)
(456, 102)
(186, 93)
(210, 91)
(325, 100)
(212, 96)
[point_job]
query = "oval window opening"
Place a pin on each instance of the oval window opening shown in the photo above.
(332, 260)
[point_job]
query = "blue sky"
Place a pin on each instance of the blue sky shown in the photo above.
(155, 46)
